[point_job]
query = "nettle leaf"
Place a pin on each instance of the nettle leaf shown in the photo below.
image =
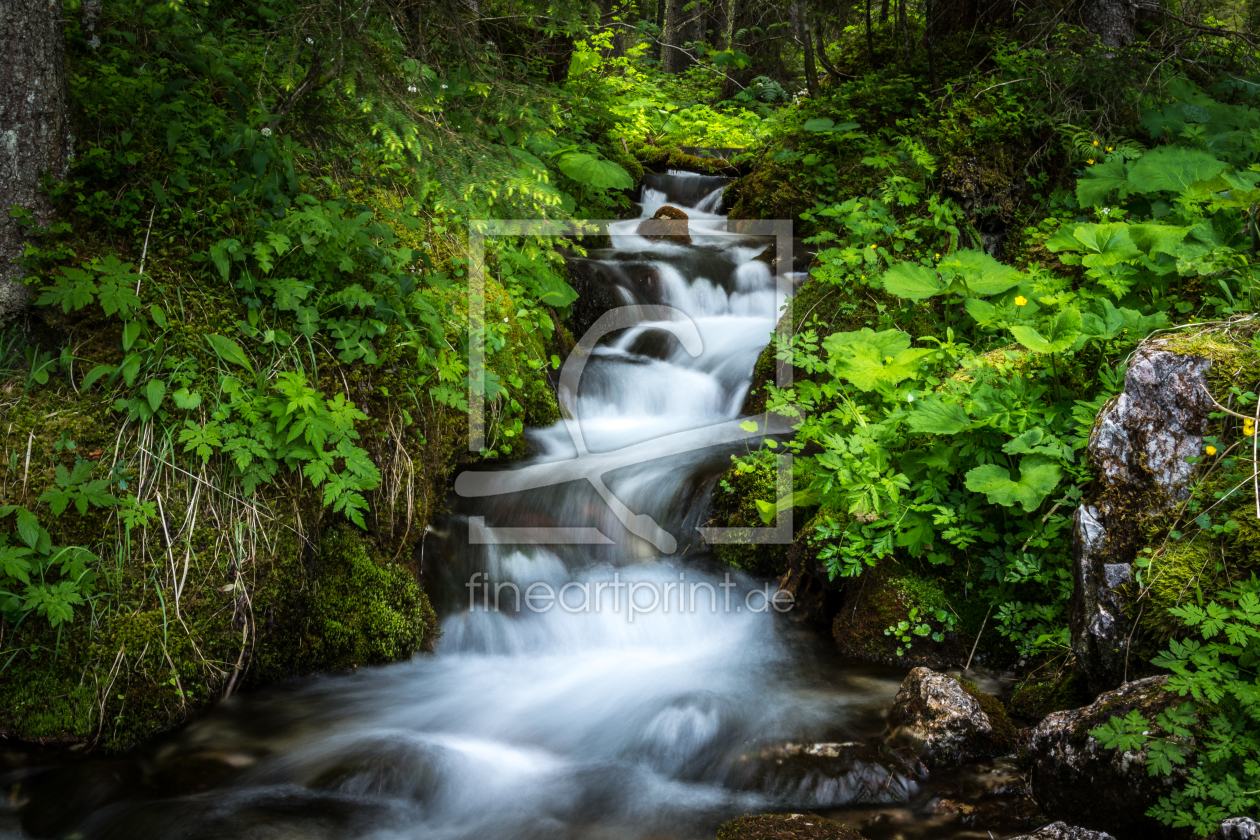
(1063, 332)
(1101, 180)
(594, 172)
(913, 281)
(1105, 244)
(1038, 476)
(1173, 168)
(938, 417)
(870, 360)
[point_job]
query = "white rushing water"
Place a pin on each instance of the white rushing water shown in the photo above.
(594, 722)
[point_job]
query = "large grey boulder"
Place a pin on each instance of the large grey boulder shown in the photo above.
(1139, 446)
(1063, 831)
(946, 724)
(1075, 779)
(1238, 828)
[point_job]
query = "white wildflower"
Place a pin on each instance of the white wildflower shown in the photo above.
(443, 87)
(411, 88)
(266, 132)
(310, 40)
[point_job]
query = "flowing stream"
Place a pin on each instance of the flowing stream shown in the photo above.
(587, 719)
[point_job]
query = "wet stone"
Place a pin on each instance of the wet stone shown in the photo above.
(1063, 831)
(828, 775)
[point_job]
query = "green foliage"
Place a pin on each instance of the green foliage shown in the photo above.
(1219, 725)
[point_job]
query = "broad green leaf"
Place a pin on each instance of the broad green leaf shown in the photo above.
(1024, 443)
(1101, 180)
(937, 417)
(28, 528)
(1063, 332)
(916, 531)
(824, 124)
(130, 333)
(912, 281)
(871, 360)
(979, 273)
(1063, 240)
(1157, 239)
(154, 392)
(593, 172)
(1105, 244)
(1172, 168)
(981, 310)
(158, 316)
(94, 374)
(1038, 476)
(186, 399)
(229, 351)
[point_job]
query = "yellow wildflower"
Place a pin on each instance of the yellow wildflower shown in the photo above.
(1109, 148)
(1095, 142)
(1090, 161)
(1020, 300)
(1211, 450)
(872, 244)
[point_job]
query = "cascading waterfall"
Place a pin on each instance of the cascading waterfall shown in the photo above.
(587, 719)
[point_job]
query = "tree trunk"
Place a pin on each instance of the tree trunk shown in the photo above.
(1111, 20)
(34, 121)
(800, 19)
(675, 59)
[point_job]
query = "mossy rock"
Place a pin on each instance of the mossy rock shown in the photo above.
(880, 599)
(1032, 700)
(785, 827)
(1005, 732)
(734, 505)
(658, 159)
(771, 191)
(358, 608)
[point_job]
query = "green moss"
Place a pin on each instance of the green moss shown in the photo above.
(1005, 733)
(359, 609)
(881, 598)
(1032, 700)
(785, 827)
(734, 505)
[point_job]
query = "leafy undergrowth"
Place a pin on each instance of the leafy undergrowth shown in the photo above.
(971, 309)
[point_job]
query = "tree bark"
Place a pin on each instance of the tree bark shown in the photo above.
(800, 18)
(1113, 21)
(34, 121)
(674, 59)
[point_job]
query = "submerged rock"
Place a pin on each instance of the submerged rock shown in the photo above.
(827, 775)
(1139, 446)
(669, 224)
(1074, 778)
(947, 723)
(785, 827)
(1238, 828)
(1063, 831)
